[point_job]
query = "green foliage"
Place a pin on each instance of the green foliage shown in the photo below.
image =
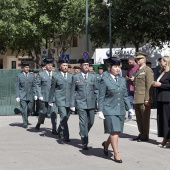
(133, 21)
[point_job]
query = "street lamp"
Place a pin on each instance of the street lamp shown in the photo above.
(87, 25)
(108, 3)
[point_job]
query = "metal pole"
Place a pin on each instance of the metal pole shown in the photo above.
(110, 26)
(87, 25)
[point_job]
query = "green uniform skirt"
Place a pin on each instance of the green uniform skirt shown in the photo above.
(114, 123)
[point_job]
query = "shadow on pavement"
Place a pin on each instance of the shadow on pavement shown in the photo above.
(16, 124)
(44, 132)
(152, 141)
(98, 152)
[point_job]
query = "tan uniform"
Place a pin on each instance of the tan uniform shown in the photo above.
(143, 92)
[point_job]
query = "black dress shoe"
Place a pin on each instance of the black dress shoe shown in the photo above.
(25, 126)
(117, 161)
(66, 140)
(54, 132)
(37, 127)
(136, 139)
(143, 140)
(104, 149)
(84, 147)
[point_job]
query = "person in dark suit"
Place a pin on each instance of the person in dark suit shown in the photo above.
(83, 97)
(113, 103)
(163, 100)
(60, 90)
(43, 85)
(25, 92)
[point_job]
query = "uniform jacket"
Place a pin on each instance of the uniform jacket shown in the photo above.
(113, 97)
(61, 89)
(43, 85)
(84, 92)
(164, 89)
(142, 85)
(25, 87)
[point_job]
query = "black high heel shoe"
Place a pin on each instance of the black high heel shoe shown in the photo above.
(105, 152)
(117, 161)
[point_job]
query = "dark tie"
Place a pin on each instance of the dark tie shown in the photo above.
(85, 77)
(65, 76)
(116, 79)
(26, 74)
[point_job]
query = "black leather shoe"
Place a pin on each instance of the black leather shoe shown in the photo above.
(104, 149)
(84, 147)
(117, 161)
(54, 132)
(66, 140)
(143, 140)
(25, 126)
(136, 139)
(37, 127)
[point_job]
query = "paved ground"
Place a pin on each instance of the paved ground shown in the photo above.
(22, 149)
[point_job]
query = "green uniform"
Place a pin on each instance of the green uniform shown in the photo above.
(83, 97)
(60, 90)
(25, 90)
(113, 102)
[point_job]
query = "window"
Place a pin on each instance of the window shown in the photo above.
(13, 64)
(74, 41)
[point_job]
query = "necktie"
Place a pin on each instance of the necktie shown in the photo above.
(85, 77)
(116, 79)
(26, 74)
(49, 73)
(65, 75)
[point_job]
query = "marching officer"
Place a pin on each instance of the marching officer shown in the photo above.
(25, 92)
(43, 85)
(60, 89)
(83, 97)
(142, 96)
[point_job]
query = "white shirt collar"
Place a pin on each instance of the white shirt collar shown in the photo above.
(25, 73)
(84, 74)
(48, 72)
(114, 77)
(63, 74)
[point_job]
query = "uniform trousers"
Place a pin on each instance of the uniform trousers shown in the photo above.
(44, 109)
(143, 119)
(63, 129)
(86, 121)
(26, 109)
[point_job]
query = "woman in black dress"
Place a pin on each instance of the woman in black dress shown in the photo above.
(163, 101)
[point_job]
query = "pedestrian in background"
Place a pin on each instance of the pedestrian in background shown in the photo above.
(113, 103)
(25, 92)
(142, 97)
(163, 100)
(133, 67)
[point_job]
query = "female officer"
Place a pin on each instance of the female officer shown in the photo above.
(113, 101)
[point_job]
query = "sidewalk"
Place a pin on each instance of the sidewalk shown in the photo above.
(22, 149)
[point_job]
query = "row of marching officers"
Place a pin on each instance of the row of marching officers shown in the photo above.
(65, 92)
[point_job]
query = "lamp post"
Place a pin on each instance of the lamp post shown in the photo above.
(87, 27)
(108, 3)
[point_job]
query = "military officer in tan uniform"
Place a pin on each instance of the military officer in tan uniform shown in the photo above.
(142, 96)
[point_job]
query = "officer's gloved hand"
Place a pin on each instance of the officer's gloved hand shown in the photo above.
(18, 99)
(101, 115)
(41, 98)
(132, 113)
(51, 104)
(72, 109)
(35, 97)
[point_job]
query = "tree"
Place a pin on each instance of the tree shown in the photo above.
(133, 22)
(27, 26)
